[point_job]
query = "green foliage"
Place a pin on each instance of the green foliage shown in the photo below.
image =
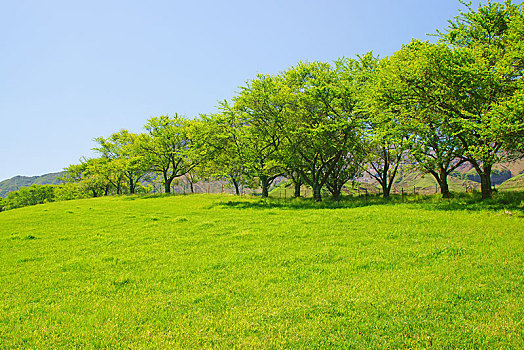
(125, 159)
(167, 148)
(258, 114)
(411, 85)
(94, 176)
(69, 191)
(220, 150)
(487, 96)
(321, 128)
(34, 194)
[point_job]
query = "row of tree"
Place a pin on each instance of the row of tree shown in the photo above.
(429, 106)
(39, 194)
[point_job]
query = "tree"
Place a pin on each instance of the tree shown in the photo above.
(91, 176)
(295, 177)
(411, 85)
(167, 148)
(319, 121)
(384, 141)
(122, 149)
(489, 61)
(34, 194)
(386, 153)
(348, 167)
(219, 150)
(258, 112)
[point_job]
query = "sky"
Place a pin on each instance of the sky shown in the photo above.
(71, 71)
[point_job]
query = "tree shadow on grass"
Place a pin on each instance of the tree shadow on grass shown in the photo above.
(134, 197)
(304, 203)
(510, 202)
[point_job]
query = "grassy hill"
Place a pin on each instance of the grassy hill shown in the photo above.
(514, 184)
(13, 184)
(210, 271)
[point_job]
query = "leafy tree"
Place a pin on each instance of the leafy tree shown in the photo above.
(349, 166)
(260, 110)
(319, 124)
(384, 141)
(386, 152)
(91, 176)
(122, 149)
(219, 149)
(34, 194)
(192, 178)
(410, 85)
(167, 148)
(258, 113)
(296, 179)
(68, 191)
(485, 83)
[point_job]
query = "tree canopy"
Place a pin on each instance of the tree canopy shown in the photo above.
(429, 106)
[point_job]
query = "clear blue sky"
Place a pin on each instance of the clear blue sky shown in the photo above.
(74, 70)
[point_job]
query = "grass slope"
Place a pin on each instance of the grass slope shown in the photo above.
(208, 271)
(514, 184)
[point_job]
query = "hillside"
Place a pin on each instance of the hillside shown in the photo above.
(210, 271)
(514, 184)
(13, 184)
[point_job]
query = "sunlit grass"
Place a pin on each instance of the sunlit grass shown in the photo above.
(209, 271)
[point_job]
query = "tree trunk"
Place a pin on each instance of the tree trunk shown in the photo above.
(94, 193)
(485, 184)
(385, 189)
(237, 186)
(442, 180)
(132, 186)
(265, 186)
(297, 189)
(444, 187)
(167, 184)
(191, 186)
(316, 193)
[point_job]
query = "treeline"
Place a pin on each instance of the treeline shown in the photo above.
(39, 194)
(429, 107)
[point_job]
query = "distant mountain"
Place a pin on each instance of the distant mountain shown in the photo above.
(13, 184)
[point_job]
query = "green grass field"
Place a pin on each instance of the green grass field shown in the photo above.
(209, 271)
